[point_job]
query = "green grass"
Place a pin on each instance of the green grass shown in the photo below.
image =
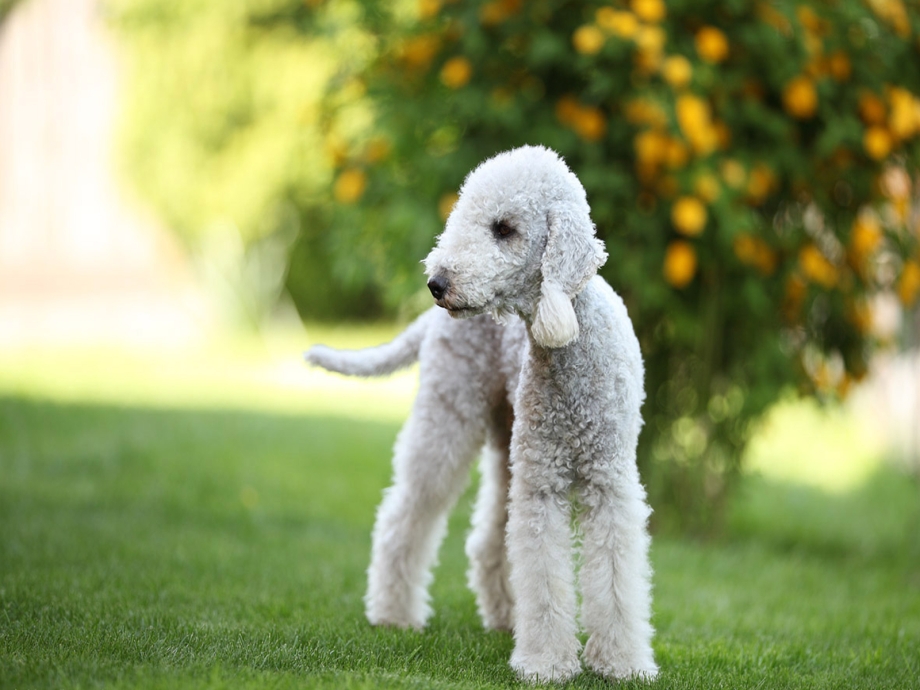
(220, 545)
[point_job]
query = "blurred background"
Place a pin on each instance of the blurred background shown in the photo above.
(184, 185)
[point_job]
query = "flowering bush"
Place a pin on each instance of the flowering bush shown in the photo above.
(750, 165)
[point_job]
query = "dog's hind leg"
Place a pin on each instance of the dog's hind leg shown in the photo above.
(485, 546)
(431, 466)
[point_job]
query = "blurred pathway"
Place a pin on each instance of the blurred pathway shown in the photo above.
(78, 264)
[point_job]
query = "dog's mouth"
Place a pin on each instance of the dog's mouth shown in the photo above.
(459, 311)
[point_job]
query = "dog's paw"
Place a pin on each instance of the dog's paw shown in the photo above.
(395, 619)
(605, 658)
(546, 668)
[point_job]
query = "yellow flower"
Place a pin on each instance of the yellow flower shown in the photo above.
(810, 20)
(909, 283)
(688, 214)
(588, 39)
(838, 64)
(590, 124)
(800, 98)
(816, 267)
(427, 9)
(753, 251)
(760, 183)
(877, 142)
(692, 113)
(651, 39)
(650, 42)
(695, 121)
(711, 44)
(418, 51)
(350, 186)
(446, 204)
(491, 14)
(586, 121)
(865, 237)
(649, 10)
(497, 11)
(651, 146)
(676, 154)
(707, 187)
(643, 111)
(622, 24)
(871, 108)
(733, 173)
(901, 208)
(894, 13)
(902, 121)
(456, 72)
(813, 45)
(679, 263)
(677, 71)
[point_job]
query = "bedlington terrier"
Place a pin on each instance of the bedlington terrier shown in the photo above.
(541, 366)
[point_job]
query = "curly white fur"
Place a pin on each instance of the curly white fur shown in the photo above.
(467, 369)
(557, 392)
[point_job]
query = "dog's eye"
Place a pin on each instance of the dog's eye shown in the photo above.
(502, 229)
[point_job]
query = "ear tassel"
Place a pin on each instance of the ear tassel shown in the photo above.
(554, 323)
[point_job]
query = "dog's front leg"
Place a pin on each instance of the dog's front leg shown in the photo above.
(616, 577)
(542, 576)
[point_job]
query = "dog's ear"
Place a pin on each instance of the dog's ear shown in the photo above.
(572, 256)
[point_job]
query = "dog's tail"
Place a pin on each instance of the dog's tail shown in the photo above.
(398, 354)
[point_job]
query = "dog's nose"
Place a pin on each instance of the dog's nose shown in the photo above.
(438, 286)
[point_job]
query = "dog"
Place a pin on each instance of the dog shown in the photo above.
(530, 355)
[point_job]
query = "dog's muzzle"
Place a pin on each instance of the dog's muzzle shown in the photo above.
(438, 286)
(445, 297)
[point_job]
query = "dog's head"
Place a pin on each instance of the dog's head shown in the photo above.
(520, 239)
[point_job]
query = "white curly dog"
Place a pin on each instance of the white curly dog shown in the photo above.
(547, 376)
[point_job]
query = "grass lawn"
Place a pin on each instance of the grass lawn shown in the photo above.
(166, 524)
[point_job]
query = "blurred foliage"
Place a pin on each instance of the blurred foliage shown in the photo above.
(5, 7)
(220, 132)
(751, 167)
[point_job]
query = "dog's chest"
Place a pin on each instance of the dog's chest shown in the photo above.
(562, 410)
